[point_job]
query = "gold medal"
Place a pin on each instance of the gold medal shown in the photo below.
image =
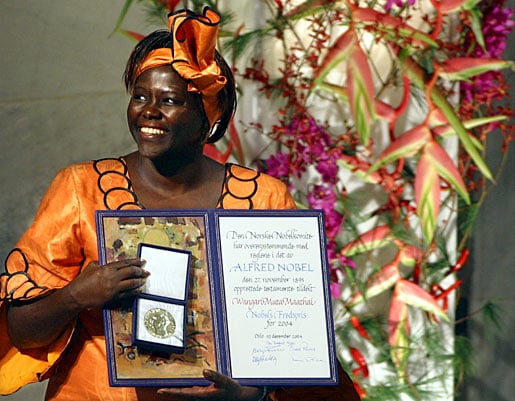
(159, 323)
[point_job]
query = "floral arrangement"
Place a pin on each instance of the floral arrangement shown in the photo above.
(344, 90)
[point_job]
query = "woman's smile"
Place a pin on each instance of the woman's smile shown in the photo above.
(150, 131)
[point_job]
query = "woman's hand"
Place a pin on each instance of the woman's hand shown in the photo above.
(116, 281)
(223, 389)
(38, 323)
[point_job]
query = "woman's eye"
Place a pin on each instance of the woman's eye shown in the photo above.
(170, 101)
(138, 97)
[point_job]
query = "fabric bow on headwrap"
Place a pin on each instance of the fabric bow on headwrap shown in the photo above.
(193, 56)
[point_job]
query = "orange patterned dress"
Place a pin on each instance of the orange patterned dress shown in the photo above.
(60, 243)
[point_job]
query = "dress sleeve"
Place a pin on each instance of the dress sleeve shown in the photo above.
(47, 257)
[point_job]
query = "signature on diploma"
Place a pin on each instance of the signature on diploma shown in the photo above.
(295, 351)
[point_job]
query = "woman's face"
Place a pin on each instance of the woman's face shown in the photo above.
(164, 118)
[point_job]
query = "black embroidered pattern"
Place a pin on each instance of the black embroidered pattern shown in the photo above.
(239, 188)
(10, 281)
(113, 178)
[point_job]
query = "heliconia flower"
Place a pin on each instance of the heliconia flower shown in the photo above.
(409, 255)
(441, 161)
(427, 196)
(440, 100)
(405, 145)
(361, 92)
(396, 29)
(398, 331)
(414, 295)
(382, 110)
(463, 68)
(378, 283)
(446, 130)
(375, 238)
(338, 52)
(450, 6)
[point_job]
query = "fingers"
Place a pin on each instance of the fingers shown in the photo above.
(120, 279)
(129, 273)
(123, 264)
(220, 381)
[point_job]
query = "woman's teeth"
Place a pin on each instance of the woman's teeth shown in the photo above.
(152, 131)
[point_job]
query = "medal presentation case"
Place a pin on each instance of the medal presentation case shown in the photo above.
(256, 304)
(159, 312)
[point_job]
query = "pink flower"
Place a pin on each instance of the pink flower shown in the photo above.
(336, 290)
(324, 198)
(497, 25)
(399, 3)
(328, 168)
(278, 165)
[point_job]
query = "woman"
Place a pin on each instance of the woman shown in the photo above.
(182, 96)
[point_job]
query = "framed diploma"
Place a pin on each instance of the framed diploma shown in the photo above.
(256, 304)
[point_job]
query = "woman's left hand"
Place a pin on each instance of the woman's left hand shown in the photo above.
(223, 389)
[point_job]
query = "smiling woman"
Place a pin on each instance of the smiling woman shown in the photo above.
(182, 96)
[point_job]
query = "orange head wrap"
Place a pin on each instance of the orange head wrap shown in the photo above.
(193, 56)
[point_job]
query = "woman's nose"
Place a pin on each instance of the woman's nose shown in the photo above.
(151, 111)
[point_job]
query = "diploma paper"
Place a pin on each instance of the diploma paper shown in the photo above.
(274, 297)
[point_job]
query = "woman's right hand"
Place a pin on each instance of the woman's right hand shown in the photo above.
(115, 281)
(38, 323)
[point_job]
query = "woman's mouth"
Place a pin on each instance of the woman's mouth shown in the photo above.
(152, 131)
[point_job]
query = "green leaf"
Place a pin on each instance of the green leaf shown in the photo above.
(477, 27)
(309, 8)
(446, 131)
(492, 313)
(123, 14)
